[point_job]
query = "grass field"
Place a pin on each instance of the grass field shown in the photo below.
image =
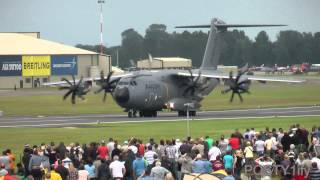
(262, 95)
(15, 138)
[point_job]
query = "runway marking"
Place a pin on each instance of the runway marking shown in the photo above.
(281, 112)
(77, 119)
(162, 113)
(165, 120)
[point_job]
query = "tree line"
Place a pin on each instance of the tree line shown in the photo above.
(290, 47)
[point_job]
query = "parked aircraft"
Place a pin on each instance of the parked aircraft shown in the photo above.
(147, 91)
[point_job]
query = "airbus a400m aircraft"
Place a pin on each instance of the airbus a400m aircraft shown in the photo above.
(145, 92)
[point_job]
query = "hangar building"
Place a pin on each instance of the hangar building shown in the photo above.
(28, 61)
(165, 63)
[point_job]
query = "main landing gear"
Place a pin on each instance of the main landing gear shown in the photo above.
(133, 114)
(184, 113)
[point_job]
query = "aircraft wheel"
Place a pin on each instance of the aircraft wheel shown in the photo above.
(182, 113)
(141, 114)
(130, 114)
(192, 113)
(154, 114)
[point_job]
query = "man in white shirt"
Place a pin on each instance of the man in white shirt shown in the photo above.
(214, 152)
(259, 145)
(315, 159)
(117, 168)
(110, 146)
(149, 155)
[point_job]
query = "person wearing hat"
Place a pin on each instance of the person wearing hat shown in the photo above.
(248, 154)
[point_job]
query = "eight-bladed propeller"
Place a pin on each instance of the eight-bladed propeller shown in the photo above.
(106, 84)
(237, 86)
(193, 84)
(75, 89)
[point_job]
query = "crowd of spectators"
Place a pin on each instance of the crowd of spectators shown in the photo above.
(290, 154)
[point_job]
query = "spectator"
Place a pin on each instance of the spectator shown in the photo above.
(63, 171)
(158, 172)
(149, 155)
(314, 173)
(103, 152)
(116, 151)
(139, 165)
(146, 175)
(54, 175)
(237, 165)
(170, 150)
(229, 176)
(217, 164)
(82, 173)
(228, 161)
(214, 152)
(161, 149)
(96, 164)
(223, 145)
(234, 142)
(248, 154)
(91, 169)
(110, 146)
(117, 168)
(259, 146)
(103, 171)
(201, 165)
(12, 159)
(184, 148)
(5, 160)
(315, 159)
(73, 173)
(186, 164)
(141, 147)
(34, 166)
(210, 141)
(62, 150)
(265, 163)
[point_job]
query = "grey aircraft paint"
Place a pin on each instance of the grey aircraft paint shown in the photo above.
(149, 91)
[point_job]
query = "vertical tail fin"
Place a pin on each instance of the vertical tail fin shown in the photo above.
(215, 41)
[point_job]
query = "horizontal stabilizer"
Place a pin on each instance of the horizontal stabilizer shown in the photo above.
(219, 24)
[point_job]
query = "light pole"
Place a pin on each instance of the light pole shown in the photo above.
(101, 26)
(188, 106)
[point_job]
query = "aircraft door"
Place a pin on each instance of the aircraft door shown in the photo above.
(154, 95)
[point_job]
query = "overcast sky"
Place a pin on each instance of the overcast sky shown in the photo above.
(77, 21)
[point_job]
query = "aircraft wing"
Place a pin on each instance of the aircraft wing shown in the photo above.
(249, 77)
(62, 83)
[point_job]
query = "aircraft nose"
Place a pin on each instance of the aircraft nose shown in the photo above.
(122, 95)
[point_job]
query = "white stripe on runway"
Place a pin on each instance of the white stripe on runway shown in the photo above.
(146, 121)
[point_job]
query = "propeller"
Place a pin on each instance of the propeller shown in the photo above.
(106, 84)
(75, 89)
(193, 84)
(237, 86)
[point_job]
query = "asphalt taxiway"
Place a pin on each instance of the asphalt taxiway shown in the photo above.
(78, 120)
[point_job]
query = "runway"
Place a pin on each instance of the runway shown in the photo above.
(80, 120)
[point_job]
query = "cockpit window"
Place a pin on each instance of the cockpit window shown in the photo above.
(133, 83)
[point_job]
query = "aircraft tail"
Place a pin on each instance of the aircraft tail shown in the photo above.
(215, 40)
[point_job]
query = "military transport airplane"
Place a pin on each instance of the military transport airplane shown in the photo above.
(148, 91)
